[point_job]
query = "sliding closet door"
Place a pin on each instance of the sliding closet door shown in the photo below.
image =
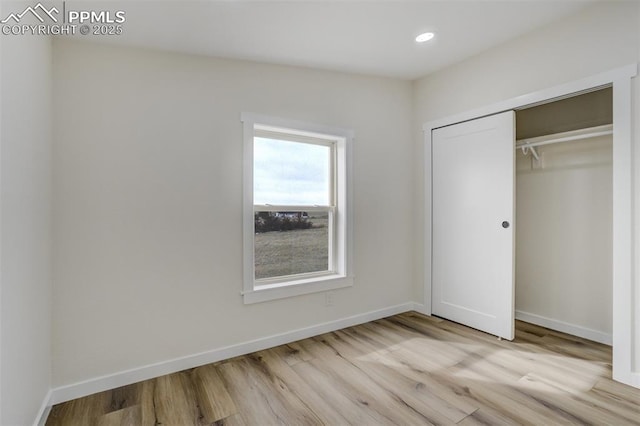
(473, 229)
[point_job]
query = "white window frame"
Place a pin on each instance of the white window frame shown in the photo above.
(340, 273)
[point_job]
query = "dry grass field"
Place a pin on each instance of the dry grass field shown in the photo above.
(293, 252)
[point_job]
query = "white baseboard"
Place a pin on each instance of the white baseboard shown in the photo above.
(421, 309)
(44, 410)
(576, 330)
(99, 384)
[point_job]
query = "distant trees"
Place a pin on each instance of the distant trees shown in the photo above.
(281, 221)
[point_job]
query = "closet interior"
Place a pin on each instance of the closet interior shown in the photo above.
(564, 222)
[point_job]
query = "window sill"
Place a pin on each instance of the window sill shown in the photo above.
(268, 292)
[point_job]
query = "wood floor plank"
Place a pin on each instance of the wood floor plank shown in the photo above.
(214, 401)
(126, 396)
(467, 392)
(597, 406)
(414, 393)
(486, 363)
(487, 417)
(618, 392)
(260, 395)
(390, 342)
(304, 389)
(532, 329)
(572, 406)
(387, 402)
(350, 404)
(175, 400)
(478, 390)
(576, 347)
(81, 411)
(234, 420)
(375, 347)
(294, 353)
(131, 415)
(146, 392)
(138, 394)
(409, 366)
(521, 406)
(576, 373)
(463, 334)
(406, 369)
(623, 402)
(443, 347)
(391, 336)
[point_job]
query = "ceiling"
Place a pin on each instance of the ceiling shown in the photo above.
(366, 37)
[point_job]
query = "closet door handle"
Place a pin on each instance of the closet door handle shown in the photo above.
(505, 224)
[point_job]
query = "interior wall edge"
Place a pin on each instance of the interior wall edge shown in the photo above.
(45, 409)
(26, 243)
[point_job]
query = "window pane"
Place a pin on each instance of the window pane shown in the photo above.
(290, 173)
(289, 243)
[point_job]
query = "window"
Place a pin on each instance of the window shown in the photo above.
(296, 208)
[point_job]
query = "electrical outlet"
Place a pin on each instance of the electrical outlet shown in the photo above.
(328, 299)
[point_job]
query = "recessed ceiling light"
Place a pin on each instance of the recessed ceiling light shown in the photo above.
(424, 37)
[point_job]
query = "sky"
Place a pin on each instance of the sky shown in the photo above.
(290, 173)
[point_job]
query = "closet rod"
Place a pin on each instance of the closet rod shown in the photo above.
(591, 132)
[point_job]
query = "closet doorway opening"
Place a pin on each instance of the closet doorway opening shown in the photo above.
(564, 215)
(626, 353)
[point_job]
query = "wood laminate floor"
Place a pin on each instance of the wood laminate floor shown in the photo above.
(403, 370)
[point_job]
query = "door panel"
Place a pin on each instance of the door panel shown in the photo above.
(473, 194)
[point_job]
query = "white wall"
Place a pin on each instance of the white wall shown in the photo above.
(564, 236)
(636, 137)
(25, 196)
(148, 202)
(604, 36)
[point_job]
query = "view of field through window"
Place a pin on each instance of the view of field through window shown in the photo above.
(302, 246)
(288, 176)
